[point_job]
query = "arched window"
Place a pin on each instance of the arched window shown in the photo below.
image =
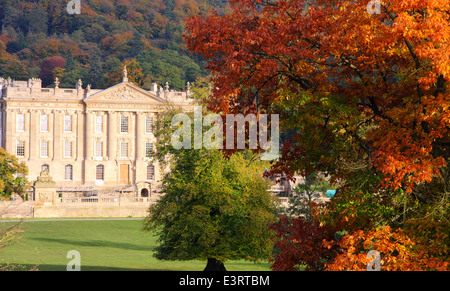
(68, 173)
(99, 172)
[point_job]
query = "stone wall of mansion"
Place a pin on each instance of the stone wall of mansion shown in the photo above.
(84, 138)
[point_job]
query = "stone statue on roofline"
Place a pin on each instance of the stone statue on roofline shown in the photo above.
(125, 74)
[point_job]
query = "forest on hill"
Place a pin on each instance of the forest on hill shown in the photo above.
(39, 38)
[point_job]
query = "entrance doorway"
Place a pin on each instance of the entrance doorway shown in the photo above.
(124, 174)
(144, 192)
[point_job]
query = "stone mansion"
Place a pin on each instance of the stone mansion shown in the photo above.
(86, 139)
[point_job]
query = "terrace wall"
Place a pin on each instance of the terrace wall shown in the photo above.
(77, 207)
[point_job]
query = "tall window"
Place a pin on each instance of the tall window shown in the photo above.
(148, 124)
(68, 173)
(67, 123)
(20, 150)
(44, 123)
(67, 149)
(99, 173)
(148, 149)
(98, 124)
(20, 122)
(124, 150)
(124, 124)
(99, 149)
(44, 149)
(150, 172)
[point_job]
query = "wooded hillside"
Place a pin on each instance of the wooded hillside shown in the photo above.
(41, 39)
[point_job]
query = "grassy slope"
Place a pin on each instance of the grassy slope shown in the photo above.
(103, 245)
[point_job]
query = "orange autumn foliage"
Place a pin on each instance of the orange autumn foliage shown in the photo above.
(423, 245)
(362, 97)
(398, 252)
(378, 80)
(299, 245)
(134, 73)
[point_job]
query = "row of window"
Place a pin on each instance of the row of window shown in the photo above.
(68, 146)
(99, 172)
(20, 123)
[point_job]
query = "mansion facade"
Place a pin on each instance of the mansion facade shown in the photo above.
(85, 138)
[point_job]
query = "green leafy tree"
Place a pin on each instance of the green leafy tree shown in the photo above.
(95, 72)
(37, 21)
(12, 176)
(12, 181)
(304, 194)
(14, 69)
(214, 208)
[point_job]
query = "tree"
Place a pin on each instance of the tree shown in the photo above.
(363, 96)
(12, 181)
(397, 252)
(95, 73)
(48, 68)
(169, 66)
(4, 55)
(302, 201)
(12, 176)
(376, 82)
(213, 208)
(71, 76)
(134, 70)
(14, 69)
(299, 244)
(37, 21)
(15, 46)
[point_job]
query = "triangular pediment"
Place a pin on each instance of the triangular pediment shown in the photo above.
(125, 92)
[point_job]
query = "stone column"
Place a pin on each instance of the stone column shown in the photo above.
(80, 135)
(27, 131)
(10, 131)
(140, 127)
(57, 147)
(34, 125)
(112, 134)
(89, 146)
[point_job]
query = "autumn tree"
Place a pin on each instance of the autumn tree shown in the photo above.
(396, 249)
(364, 95)
(12, 181)
(4, 55)
(134, 73)
(335, 56)
(48, 69)
(12, 176)
(213, 208)
(14, 69)
(299, 244)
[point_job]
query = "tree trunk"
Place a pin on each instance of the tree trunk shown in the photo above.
(214, 265)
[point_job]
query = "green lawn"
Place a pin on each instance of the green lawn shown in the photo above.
(103, 246)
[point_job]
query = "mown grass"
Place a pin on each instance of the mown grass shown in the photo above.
(105, 245)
